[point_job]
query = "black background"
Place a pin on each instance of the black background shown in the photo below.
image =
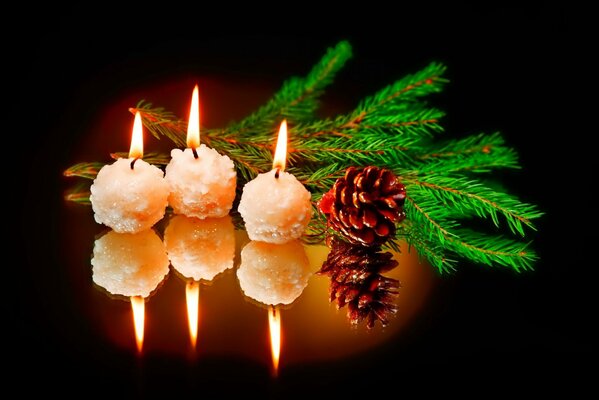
(511, 69)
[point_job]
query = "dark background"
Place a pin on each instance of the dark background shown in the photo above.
(511, 69)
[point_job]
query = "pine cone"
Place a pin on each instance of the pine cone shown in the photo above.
(356, 282)
(365, 205)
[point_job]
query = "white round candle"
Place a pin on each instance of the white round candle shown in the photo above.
(274, 273)
(275, 210)
(129, 264)
(200, 249)
(201, 181)
(275, 206)
(129, 195)
(202, 187)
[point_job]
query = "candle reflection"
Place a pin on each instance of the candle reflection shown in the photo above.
(138, 306)
(131, 265)
(314, 330)
(274, 273)
(199, 249)
(274, 327)
(192, 299)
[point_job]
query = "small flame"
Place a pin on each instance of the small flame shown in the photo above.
(192, 295)
(193, 128)
(274, 326)
(138, 305)
(137, 140)
(281, 150)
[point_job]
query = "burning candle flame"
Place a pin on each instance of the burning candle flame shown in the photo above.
(137, 141)
(192, 296)
(281, 150)
(193, 128)
(274, 326)
(138, 306)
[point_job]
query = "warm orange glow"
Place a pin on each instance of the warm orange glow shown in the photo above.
(281, 150)
(139, 308)
(192, 296)
(137, 141)
(193, 127)
(274, 326)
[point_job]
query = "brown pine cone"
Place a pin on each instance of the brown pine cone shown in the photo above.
(365, 205)
(356, 282)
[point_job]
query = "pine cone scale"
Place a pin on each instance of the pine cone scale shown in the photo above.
(365, 205)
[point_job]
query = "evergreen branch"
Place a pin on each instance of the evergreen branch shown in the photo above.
(477, 154)
(392, 129)
(79, 194)
(160, 122)
(430, 231)
(464, 195)
(296, 100)
(428, 80)
(433, 252)
(493, 250)
(87, 170)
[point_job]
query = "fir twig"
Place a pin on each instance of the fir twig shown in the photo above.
(393, 128)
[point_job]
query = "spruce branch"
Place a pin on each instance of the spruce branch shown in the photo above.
(297, 99)
(439, 237)
(476, 154)
(87, 170)
(395, 129)
(465, 196)
(160, 122)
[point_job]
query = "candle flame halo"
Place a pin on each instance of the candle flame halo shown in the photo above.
(193, 127)
(281, 149)
(138, 306)
(192, 297)
(137, 141)
(274, 326)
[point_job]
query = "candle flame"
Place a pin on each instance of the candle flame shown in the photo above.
(193, 128)
(192, 296)
(138, 306)
(281, 150)
(274, 326)
(137, 141)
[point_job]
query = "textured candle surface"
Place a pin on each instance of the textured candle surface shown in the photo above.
(200, 249)
(274, 273)
(201, 187)
(129, 264)
(275, 210)
(129, 200)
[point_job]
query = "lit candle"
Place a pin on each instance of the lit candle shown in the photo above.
(275, 206)
(130, 195)
(274, 273)
(201, 181)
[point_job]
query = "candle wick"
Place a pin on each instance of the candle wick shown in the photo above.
(195, 153)
(277, 173)
(133, 162)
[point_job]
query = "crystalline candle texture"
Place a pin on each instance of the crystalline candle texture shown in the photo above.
(273, 273)
(201, 187)
(129, 264)
(129, 199)
(275, 210)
